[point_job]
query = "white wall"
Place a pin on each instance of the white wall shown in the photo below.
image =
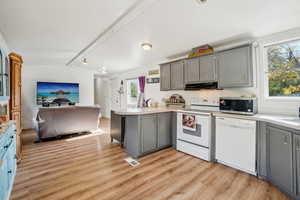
(153, 91)
(102, 95)
(32, 74)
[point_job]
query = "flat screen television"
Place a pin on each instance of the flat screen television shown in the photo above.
(57, 93)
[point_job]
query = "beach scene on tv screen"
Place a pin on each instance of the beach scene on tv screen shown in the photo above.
(59, 93)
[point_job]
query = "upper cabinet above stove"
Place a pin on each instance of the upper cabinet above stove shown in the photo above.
(230, 68)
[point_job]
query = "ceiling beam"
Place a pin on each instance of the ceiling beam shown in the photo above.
(127, 17)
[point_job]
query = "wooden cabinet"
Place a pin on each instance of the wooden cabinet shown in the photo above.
(164, 127)
(208, 68)
(148, 133)
(165, 77)
(279, 158)
(15, 96)
(296, 144)
(234, 67)
(192, 70)
(177, 75)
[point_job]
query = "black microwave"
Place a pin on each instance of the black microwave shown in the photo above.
(238, 105)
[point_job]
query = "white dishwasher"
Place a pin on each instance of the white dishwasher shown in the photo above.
(236, 143)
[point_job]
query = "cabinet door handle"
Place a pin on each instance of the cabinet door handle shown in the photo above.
(297, 145)
(286, 139)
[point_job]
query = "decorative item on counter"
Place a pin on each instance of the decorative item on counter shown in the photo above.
(202, 50)
(152, 80)
(175, 100)
(153, 72)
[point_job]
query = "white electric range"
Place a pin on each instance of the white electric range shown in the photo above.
(194, 131)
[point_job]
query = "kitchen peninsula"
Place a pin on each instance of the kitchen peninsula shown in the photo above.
(144, 130)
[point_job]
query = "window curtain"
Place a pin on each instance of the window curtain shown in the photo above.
(141, 100)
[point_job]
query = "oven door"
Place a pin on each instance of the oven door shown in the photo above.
(193, 128)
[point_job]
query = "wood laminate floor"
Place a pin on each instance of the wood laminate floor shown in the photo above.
(89, 167)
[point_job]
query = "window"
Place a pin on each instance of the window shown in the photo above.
(283, 67)
(133, 91)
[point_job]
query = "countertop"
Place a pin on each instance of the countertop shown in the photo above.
(283, 120)
(144, 111)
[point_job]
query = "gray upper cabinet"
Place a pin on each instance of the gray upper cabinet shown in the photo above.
(208, 68)
(234, 67)
(177, 75)
(164, 129)
(297, 164)
(148, 133)
(280, 159)
(165, 77)
(192, 70)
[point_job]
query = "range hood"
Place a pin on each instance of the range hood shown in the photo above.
(199, 86)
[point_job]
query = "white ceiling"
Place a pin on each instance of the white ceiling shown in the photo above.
(53, 32)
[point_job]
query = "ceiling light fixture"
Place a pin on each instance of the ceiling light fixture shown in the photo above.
(201, 1)
(84, 61)
(146, 46)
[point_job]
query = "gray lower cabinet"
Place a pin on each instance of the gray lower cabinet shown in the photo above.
(145, 134)
(164, 129)
(165, 77)
(280, 159)
(192, 70)
(234, 67)
(148, 133)
(297, 164)
(277, 157)
(177, 75)
(208, 68)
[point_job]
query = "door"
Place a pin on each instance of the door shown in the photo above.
(165, 77)
(192, 70)
(148, 133)
(207, 68)
(297, 163)
(279, 159)
(164, 128)
(177, 75)
(235, 68)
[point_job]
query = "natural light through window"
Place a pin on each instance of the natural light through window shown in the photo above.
(132, 91)
(283, 77)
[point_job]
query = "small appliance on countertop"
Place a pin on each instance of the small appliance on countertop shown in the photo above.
(238, 105)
